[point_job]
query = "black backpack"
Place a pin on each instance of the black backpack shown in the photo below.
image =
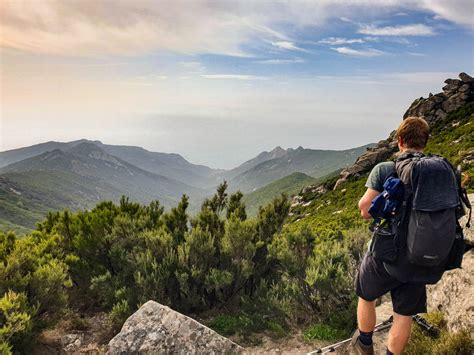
(429, 232)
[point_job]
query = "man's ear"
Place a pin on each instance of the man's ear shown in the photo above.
(400, 141)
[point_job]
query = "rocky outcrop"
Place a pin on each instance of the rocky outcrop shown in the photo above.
(157, 329)
(456, 94)
(453, 295)
(381, 152)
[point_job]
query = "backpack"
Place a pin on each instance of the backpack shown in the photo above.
(416, 232)
(429, 228)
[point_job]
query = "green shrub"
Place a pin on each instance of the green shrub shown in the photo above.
(119, 313)
(15, 320)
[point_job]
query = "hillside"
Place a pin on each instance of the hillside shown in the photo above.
(312, 162)
(26, 197)
(78, 178)
(173, 166)
(289, 185)
(452, 131)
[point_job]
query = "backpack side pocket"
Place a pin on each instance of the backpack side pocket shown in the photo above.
(457, 251)
(382, 246)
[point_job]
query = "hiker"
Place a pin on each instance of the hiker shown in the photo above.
(405, 280)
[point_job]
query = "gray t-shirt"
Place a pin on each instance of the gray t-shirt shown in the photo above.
(379, 174)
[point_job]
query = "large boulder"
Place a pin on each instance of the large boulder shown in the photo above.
(157, 329)
(453, 295)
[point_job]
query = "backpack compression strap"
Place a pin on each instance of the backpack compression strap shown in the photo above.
(465, 198)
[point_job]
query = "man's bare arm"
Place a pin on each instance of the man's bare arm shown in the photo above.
(365, 202)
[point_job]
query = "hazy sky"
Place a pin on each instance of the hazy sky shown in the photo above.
(221, 81)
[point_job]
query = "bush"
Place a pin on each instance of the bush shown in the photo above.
(15, 320)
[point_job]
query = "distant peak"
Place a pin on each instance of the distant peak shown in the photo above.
(85, 148)
(300, 148)
(277, 149)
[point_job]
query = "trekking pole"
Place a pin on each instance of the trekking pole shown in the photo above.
(423, 323)
(331, 348)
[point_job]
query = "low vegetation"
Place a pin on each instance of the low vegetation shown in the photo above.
(440, 343)
(116, 257)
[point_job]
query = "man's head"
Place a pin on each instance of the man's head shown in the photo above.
(413, 134)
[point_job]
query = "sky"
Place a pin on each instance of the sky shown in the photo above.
(221, 81)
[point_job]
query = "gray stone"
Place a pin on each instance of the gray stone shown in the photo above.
(157, 329)
(71, 343)
(464, 88)
(465, 78)
(468, 232)
(453, 295)
(453, 81)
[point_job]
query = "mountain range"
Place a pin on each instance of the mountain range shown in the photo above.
(78, 174)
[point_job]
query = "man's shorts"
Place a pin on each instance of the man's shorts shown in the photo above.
(373, 281)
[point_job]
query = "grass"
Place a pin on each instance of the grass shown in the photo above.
(321, 331)
(247, 326)
(453, 138)
(290, 185)
(457, 343)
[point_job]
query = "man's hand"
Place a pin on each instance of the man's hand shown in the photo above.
(365, 202)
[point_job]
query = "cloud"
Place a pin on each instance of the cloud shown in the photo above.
(131, 28)
(288, 46)
(108, 27)
(359, 52)
(281, 61)
(336, 41)
(192, 67)
(458, 11)
(403, 30)
(233, 77)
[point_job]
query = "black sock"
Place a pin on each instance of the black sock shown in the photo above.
(389, 352)
(365, 337)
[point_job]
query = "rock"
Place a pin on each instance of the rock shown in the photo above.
(453, 296)
(453, 102)
(433, 109)
(157, 329)
(468, 232)
(465, 78)
(367, 161)
(71, 343)
(464, 88)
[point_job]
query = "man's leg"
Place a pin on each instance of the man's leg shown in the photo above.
(366, 315)
(399, 333)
